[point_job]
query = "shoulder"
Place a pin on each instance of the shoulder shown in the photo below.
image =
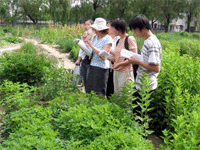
(153, 40)
(131, 38)
(108, 38)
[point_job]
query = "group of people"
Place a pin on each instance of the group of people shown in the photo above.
(105, 76)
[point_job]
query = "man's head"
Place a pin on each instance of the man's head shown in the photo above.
(138, 24)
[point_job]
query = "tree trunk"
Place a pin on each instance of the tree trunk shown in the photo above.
(189, 16)
(167, 23)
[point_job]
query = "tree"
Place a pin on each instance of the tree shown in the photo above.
(99, 8)
(59, 10)
(31, 8)
(192, 10)
(169, 10)
(86, 10)
(120, 9)
(149, 8)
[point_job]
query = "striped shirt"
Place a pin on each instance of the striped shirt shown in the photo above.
(151, 53)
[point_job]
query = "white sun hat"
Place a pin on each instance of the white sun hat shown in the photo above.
(100, 24)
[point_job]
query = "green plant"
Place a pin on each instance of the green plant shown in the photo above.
(83, 122)
(24, 66)
(196, 35)
(190, 47)
(15, 96)
(177, 83)
(144, 104)
(12, 39)
(66, 44)
(56, 81)
(73, 55)
(185, 34)
(186, 129)
(29, 128)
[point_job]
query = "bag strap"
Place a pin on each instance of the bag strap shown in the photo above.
(125, 42)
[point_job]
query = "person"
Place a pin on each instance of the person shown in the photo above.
(83, 60)
(151, 54)
(123, 70)
(99, 66)
(110, 85)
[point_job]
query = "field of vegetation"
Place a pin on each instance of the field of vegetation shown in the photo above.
(44, 109)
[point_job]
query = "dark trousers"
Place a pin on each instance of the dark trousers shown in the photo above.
(110, 85)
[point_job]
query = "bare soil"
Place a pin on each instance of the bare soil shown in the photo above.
(63, 59)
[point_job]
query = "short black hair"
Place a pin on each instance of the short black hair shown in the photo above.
(119, 24)
(139, 21)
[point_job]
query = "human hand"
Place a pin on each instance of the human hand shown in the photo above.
(87, 42)
(116, 67)
(77, 63)
(102, 57)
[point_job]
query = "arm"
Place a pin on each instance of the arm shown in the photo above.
(112, 52)
(78, 61)
(151, 67)
(106, 47)
(111, 59)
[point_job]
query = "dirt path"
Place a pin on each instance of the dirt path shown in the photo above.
(63, 58)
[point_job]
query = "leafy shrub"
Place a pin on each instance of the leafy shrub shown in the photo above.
(18, 32)
(56, 81)
(190, 47)
(29, 128)
(93, 122)
(7, 29)
(73, 55)
(66, 44)
(173, 46)
(12, 39)
(196, 35)
(15, 96)
(179, 76)
(2, 33)
(185, 34)
(24, 67)
(186, 128)
(3, 43)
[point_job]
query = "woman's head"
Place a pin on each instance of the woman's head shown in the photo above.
(87, 24)
(100, 26)
(119, 25)
(139, 21)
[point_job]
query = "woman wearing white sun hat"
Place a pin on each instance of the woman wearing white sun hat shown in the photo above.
(99, 66)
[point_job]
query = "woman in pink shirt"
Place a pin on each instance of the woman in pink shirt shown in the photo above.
(124, 73)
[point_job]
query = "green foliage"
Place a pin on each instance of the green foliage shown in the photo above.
(12, 39)
(56, 81)
(24, 66)
(29, 128)
(2, 33)
(15, 96)
(178, 82)
(185, 34)
(186, 128)
(96, 119)
(73, 55)
(66, 44)
(190, 47)
(196, 35)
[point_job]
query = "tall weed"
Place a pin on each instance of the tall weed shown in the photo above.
(179, 76)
